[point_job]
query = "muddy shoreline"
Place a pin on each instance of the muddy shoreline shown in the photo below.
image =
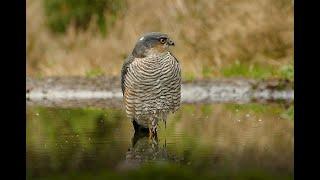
(106, 92)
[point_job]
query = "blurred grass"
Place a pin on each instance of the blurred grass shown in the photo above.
(226, 38)
(289, 113)
(287, 71)
(251, 70)
(61, 13)
(94, 73)
(169, 171)
(258, 71)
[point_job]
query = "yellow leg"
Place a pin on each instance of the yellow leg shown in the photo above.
(150, 133)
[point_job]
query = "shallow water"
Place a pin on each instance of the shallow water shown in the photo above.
(199, 141)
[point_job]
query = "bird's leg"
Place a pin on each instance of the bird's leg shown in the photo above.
(150, 133)
(153, 133)
(153, 128)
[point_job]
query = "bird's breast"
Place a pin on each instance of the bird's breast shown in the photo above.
(152, 85)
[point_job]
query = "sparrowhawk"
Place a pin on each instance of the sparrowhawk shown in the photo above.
(151, 81)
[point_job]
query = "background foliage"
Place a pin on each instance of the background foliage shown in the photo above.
(61, 13)
(213, 38)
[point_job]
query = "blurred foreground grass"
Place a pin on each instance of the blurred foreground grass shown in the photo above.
(169, 171)
(213, 38)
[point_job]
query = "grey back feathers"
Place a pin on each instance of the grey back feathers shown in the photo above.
(151, 83)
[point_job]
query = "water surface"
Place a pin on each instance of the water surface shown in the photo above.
(223, 141)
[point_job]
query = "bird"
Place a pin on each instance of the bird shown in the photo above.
(151, 82)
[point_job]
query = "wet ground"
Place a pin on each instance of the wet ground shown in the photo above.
(104, 92)
(219, 141)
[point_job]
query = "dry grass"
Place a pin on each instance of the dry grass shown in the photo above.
(207, 33)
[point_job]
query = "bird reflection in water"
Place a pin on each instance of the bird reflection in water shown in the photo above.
(146, 148)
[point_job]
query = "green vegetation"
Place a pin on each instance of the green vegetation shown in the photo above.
(287, 72)
(245, 70)
(289, 113)
(188, 76)
(94, 73)
(257, 33)
(258, 71)
(207, 72)
(170, 171)
(61, 13)
(242, 38)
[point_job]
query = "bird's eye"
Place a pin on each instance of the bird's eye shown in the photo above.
(162, 40)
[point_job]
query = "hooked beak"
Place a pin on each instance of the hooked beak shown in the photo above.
(170, 42)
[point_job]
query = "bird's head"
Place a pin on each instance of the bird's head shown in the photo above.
(152, 43)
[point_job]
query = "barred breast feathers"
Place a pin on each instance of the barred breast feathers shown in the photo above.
(151, 84)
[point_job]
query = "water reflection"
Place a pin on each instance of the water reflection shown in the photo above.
(206, 138)
(145, 148)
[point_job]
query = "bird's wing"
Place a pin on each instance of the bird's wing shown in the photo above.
(124, 70)
(177, 106)
(174, 57)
